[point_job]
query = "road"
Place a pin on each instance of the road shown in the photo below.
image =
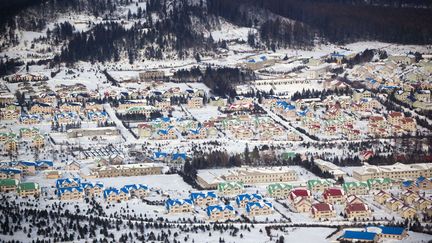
(123, 130)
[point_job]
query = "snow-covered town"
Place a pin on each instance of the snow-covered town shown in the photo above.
(244, 137)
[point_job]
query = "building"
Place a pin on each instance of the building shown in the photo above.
(68, 182)
(179, 206)
(279, 190)
(38, 141)
(8, 185)
(302, 204)
(138, 190)
(220, 212)
(243, 199)
(26, 189)
(323, 211)
(378, 184)
(359, 236)
(128, 170)
(204, 198)
(381, 197)
(230, 188)
(259, 208)
(410, 196)
(394, 204)
(151, 75)
(319, 185)
(358, 211)
(388, 232)
(355, 188)
(300, 192)
(10, 173)
(93, 132)
(395, 171)
(195, 102)
(334, 196)
(92, 189)
(70, 193)
(114, 195)
(261, 175)
(407, 212)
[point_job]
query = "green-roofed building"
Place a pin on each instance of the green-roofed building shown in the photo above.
(356, 188)
(8, 185)
(288, 155)
(319, 185)
(28, 189)
(279, 190)
(379, 183)
(230, 188)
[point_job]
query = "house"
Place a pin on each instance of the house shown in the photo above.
(138, 190)
(92, 189)
(334, 196)
(379, 184)
(11, 145)
(352, 199)
(220, 212)
(394, 204)
(28, 167)
(114, 195)
(355, 188)
(73, 166)
(10, 173)
(179, 206)
(388, 232)
(70, 193)
(300, 192)
(178, 157)
(382, 196)
(165, 134)
(204, 198)
(26, 189)
(319, 185)
(243, 199)
(8, 185)
(68, 182)
(302, 204)
(408, 124)
(279, 190)
(423, 183)
(358, 211)
(230, 188)
(407, 212)
(261, 175)
(259, 208)
(54, 174)
(410, 196)
(409, 185)
(145, 130)
(422, 203)
(323, 211)
(38, 141)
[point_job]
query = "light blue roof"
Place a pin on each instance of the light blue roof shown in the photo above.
(251, 205)
(219, 208)
(89, 185)
(195, 195)
(136, 187)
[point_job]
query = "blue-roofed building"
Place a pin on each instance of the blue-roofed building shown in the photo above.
(356, 236)
(243, 199)
(158, 155)
(10, 173)
(179, 205)
(44, 164)
(389, 232)
(137, 190)
(115, 195)
(68, 182)
(259, 208)
(204, 198)
(424, 183)
(409, 185)
(28, 167)
(93, 189)
(70, 193)
(178, 157)
(168, 133)
(220, 212)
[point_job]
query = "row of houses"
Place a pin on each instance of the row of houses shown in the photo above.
(23, 189)
(17, 169)
(407, 205)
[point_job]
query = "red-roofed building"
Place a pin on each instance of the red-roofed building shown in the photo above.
(323, 211)
(300, 192)
(334, 195)
(395, 117)
(358, 211)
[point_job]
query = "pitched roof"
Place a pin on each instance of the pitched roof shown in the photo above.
(357, 207)
(219, 208)
(359, 235)
(251, 205)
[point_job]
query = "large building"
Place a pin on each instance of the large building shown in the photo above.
(128, 170)
(261, 175)
(396, 171)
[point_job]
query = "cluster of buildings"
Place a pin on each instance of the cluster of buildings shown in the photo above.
(373, 234)
(19, 169)
(22, 189)
(11, 141)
